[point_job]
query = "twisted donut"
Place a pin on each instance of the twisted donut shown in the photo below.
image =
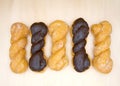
(102, 61)
(80, 31)
(58, 31)
(37, 61)
(17, 53)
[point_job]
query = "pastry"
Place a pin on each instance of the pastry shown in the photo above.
(37, 61)
(17, 52)
(58, 31)
(102, 61)
(80, 31)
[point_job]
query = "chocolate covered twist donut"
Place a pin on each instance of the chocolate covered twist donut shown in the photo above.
(80, 31)
(37, 61)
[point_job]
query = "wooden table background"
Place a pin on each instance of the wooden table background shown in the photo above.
(29, 11)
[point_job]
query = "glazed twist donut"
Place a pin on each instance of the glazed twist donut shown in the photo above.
(58, 31)
(17, 53)
(80, 31)
(37, 61)
(102, 61)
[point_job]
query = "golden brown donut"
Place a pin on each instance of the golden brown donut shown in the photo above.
(102, 61)
(17, 53)
(58, 31)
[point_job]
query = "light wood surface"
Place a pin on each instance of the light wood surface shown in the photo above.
(29, 11)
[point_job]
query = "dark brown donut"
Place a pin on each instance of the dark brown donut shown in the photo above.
(37, 61)
(80, 31)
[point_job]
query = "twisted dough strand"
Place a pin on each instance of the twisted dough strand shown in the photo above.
(80, 31)
(102, 61)
(17, 53)
(58, 31)
(37, 61)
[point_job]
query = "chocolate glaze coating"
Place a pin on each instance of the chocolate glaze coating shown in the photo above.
(80, 31)
(37, 61)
